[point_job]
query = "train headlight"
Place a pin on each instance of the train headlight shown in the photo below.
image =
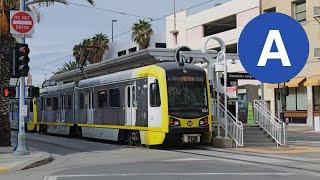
(174, 122)
(204, 122)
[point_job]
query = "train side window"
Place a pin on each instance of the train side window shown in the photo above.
(155, 95)
(49, 103)
(114, 99)
(81, 100)
(31, 106)
(69, 102)
(43, 105)
(102, 99)
(55, 103)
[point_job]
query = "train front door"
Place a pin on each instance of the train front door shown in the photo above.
(131, 105)
(89, 106)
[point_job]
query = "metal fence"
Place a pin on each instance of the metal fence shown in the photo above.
(235, 127)
(270, 123)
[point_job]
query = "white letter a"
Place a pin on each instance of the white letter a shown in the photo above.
(274, 36)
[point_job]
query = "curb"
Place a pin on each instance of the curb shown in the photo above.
(40, 161)
(307, 160)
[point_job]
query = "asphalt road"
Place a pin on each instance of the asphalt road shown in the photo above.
(78, 159)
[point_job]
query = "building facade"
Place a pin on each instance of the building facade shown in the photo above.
(121, 48)
(224, 20)
(303, 102)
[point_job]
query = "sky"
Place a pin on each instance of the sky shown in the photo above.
(62, 27)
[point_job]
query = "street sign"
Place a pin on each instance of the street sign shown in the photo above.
(232, 92)
(21, 23)
(236, 76)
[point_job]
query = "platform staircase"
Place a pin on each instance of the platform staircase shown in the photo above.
(268, 130)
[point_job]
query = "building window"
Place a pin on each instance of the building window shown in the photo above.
(122, 53)
(134, 49)
(299, 9)
(273, 9)
(221, 25)
(316, 98)
(161, 45)
(231, 48)
(291, 100)
(295, 101)
(114, 99)
(102, 99)
(302, 99)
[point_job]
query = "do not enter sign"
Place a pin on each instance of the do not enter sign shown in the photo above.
(21, 23)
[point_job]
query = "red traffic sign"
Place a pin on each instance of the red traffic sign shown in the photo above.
(21, 23)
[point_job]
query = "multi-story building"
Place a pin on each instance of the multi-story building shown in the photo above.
(224, 20)
(121, 48)
(303, 102)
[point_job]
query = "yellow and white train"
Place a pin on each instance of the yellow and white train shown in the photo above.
(150, 105)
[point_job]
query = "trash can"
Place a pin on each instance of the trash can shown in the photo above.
(317, 123)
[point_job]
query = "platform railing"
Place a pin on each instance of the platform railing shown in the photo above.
(235, 127)
(271, 124)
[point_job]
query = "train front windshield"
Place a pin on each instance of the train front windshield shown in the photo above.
(187, 97)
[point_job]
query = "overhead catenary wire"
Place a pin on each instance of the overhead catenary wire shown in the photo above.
(110, 10)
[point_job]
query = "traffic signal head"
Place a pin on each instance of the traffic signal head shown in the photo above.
(9, 92)
(21, 60)
(34, 91)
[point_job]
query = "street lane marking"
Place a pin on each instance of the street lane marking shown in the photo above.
(187, 159)
(169, 174)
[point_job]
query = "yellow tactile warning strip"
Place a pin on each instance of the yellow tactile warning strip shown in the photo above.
(279, 150)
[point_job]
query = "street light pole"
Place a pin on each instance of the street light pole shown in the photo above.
(21, 147)
(113, 21)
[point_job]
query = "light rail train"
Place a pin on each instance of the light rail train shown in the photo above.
(151, 105)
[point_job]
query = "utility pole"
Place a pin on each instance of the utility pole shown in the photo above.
(262, 84)
(174, 32)
(113, 21)
(21, 148)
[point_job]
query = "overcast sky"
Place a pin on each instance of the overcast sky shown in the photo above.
(62, 27)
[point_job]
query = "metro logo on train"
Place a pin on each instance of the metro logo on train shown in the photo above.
(273, 48)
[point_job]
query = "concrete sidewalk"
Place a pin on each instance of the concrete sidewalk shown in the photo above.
(12, 162)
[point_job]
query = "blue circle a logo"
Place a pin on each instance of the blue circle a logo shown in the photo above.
(273, 48)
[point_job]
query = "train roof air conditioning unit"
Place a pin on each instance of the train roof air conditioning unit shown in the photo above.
(316, 12)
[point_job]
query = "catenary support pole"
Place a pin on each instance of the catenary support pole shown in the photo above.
(21, 148)
(222, 52)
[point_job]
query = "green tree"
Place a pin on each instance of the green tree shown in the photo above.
(6, 43)
(91, 49)
(68, 66)
(141, 33)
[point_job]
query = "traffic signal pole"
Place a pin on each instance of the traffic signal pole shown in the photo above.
(21, 148)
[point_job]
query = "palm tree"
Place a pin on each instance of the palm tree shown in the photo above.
(68, 66)
(141, 33)
(6, 43)
(91, 50)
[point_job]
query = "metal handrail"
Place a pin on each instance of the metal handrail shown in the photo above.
(235, 127)
(268, 122)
